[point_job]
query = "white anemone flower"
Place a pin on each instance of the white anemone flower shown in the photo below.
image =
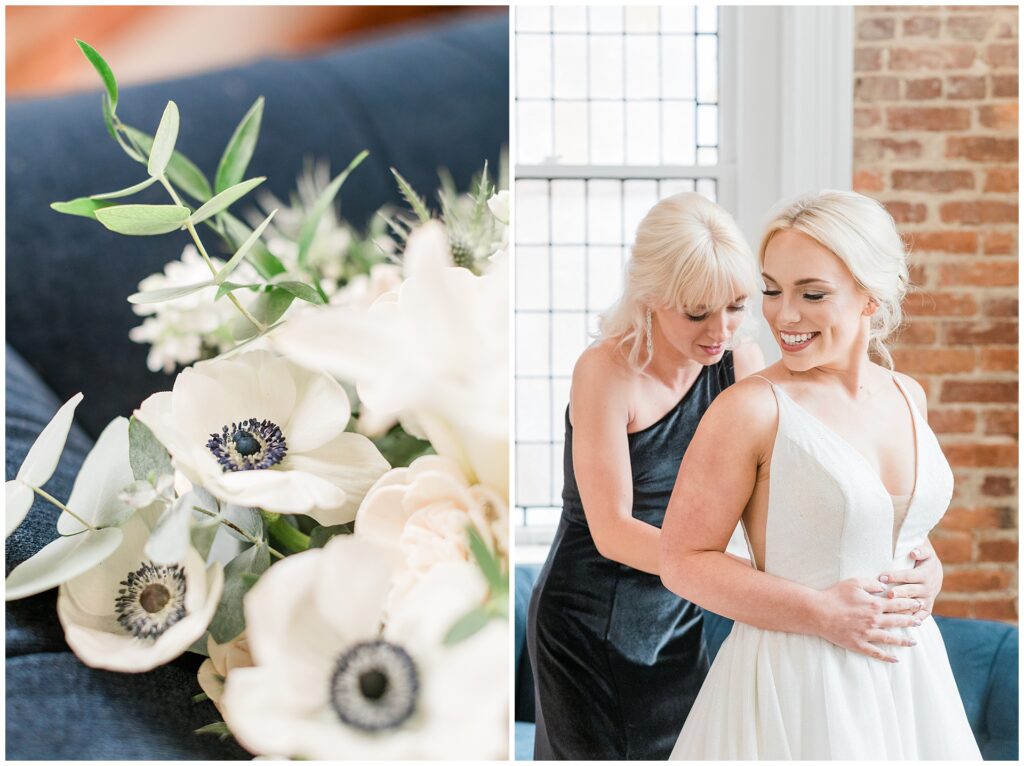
(130, 615)
(420, 514)
(96, 500)
(328, 683)
(258, 431)
(434, 353)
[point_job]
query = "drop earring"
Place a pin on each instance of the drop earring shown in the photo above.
(650, 335)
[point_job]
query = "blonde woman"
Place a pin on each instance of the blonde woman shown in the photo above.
(617, 658)
(828, 460)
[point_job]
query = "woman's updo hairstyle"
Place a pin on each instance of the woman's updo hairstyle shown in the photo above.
(689, 255)
(864, 237)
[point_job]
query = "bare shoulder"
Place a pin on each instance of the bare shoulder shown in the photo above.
(916, 392)
(747, 359)
(747, 409)
(601, 379)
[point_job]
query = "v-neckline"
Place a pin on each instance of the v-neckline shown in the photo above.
(867, 464)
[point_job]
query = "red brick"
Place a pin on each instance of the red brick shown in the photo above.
(998, 550)
(1000, 55)
(921, 90)
(944, 241)
(1000, 307)
(1001, 423)
(867, 117)
(999, 359)
(1004, 392)
(867, 59)
(920, 26)
(945, 421)
(982, 148)
(971, 333)
(1007, 26)
(979, 273)
(885, 149)
(949, 607)
(953, 547)
(933, 303)
(968, 27)
(917, 332)
(968, 519)
(998, 116)
(918, 272)
(974, 212)
(996, 609)
(931, 58)
(934, 361)
(999, 486)
(1000, 243)
(906, 212)
(981, 455)
(868, 181)
(928, 118)
(876, 89)
(963, 86)
(973, 580)
(932, 180)
(1001, 179)
(876, 29)
(1004, 86)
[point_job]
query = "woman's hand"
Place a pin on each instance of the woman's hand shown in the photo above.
(851, 616)
(923, 582)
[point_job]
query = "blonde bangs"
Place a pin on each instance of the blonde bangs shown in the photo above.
(711, 279)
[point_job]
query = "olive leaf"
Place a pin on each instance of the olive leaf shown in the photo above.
(239, 150)
(180, 171)
(104, 71)
(225, 199)
(128, 191)
(168, 293)
(163, 143)
(143, 220)
(325, 199)
(243, 249)
(83, 206)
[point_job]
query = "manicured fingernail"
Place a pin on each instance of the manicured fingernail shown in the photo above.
(883, 578)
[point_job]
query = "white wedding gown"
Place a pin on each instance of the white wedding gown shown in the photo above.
(781, 696)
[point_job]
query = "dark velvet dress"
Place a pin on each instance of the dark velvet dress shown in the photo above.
(617, 658)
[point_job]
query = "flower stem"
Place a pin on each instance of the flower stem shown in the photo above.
(260, 327)
(47, 496)
(285, 533)
(239, 530)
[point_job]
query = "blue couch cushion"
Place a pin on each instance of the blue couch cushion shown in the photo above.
(525, 704)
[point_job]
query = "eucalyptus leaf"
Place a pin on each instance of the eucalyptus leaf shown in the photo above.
(206, 522)
(126, 192)
(319, 537)
(326, 198)
(239, 150)
(163, 142)
(265, 262)
(199, 647)
(244, 249)
(416, 202)
(201, 697)
(83, 206)
(146, 455)
(485, 560)
(400, 448)
(169, 293)
(302, 291)
(104, 71)
(229, 620)
(181, 171)
(223, 200)
(470, 623)
(219, 727)
(230, 287)
(143, 220)
(108, 117)
(248, 520)
(272, 305)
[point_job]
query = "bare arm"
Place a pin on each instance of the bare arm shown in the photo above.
(600, 459)
(715, 481)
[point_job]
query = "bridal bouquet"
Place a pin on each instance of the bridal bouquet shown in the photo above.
(320, 504)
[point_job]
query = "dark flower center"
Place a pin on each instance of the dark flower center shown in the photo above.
(374, 686)
(248, 446)
(154, 597)
(151, 599)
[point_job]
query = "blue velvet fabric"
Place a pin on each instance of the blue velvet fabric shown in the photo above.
(429, 98)
(982, 654)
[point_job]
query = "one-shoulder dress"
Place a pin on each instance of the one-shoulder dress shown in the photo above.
(617, 658)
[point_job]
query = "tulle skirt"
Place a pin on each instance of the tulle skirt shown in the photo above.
(784, 696)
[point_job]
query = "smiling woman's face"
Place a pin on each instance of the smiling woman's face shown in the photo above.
(817, 313)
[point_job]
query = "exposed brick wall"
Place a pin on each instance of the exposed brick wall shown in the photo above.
(935, 139)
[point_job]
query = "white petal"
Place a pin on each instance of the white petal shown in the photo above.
(59, 561)
(352, 462)
(169, 540)
(18, 500)
(94, 590)
(104, 473)
(353, 609)
(382, 516)
(290, 491)
(423, 616)
(321, 412)
(42, 458)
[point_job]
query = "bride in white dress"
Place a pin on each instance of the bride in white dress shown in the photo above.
(828, 461)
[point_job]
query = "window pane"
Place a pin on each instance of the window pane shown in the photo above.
(604, 279)
(532, 212)
(533, 18)
(707, 18)
(567, 206)
(570, 66)
(677, 18)
(642, 66)
(532, 344)
(533, 410)
(571, 139)
(707, 69)
(606, 67)
(604, 212)
(642, 18)
(569, 278)
(642, 131)
(568, 339)
(533, 474)
(570, 18)
(707, 125)
(533, 66)
(607, 137)
(605, 18)
(532, 291)
(677, 146)
(560, 399)
(640, 197)
(677, 67)
(533, 128)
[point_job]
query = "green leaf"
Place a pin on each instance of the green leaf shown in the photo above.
(318, 537)
(163, 143)
(467, 625)
(244, 249)
(485, 559)
(143, 220)
(273, 308)
(265, 262)
(225, 199)
(104, 71)
(83, 206)
(168, 293)
(302, 291)
(181, 171)
(230, 287)
(126, 192)
(146, 455)
(219, 728)
(416, 202)
(400, 448)
(239, 150)
(325, 199)
(108, 117)
(201, 697)
(229, 620)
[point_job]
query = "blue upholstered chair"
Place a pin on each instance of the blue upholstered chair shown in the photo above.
(983, 656)
(420, 100)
